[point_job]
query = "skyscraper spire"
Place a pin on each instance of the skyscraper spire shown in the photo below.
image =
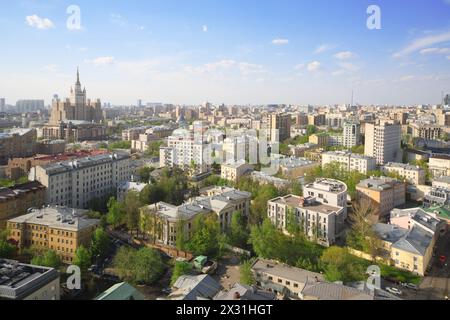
(78, 75)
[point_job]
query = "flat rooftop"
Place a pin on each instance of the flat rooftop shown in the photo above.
(18, 280)
(309, 203)
(58, 217)
(328, 185)
(285, 271)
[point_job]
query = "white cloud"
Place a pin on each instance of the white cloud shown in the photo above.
(348, 66)
(117, 19)
(345, 68)
(448, 57)
(40, 23)
(299, 66)
(244, 68)
(280, 42)
(407, 78)
(250, 68)
(344, 55)
(323, 48)
(313, 66)
(102, 61)
(435, 51)
(205, 28)
(51, 68)
(422, 43)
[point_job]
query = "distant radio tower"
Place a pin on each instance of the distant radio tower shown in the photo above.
(351, 105)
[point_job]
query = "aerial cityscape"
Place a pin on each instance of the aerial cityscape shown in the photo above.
(225, 150)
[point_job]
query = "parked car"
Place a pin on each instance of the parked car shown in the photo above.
(209, 267)
(410, 286)
(166, 290)
(394, 290)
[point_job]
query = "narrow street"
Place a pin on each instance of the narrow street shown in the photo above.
(436, 285)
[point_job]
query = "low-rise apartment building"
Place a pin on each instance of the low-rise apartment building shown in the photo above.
(16, 200)
(21, 281)
(320, 139)
(427, 132)
(78, 182)
(60, 229)
(439, 165)
(17, 143)
(283, 279)
(142, 143)
(316, 220)
(413, 174)
(234, 171)
(219, 201)
(330, 192)
(409, 250)
(294, 168)
(383, 193)
(350, 161)
(128, 186)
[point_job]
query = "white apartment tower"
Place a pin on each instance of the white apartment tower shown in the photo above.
(183, 152)
(352, 134)
(383, 142)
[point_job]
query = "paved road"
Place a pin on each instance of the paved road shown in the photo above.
(436, 285)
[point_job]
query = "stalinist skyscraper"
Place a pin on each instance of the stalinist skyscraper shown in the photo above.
(77, 107)
(76, 118)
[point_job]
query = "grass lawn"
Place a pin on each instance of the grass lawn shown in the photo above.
(393, 273)
(400, 275)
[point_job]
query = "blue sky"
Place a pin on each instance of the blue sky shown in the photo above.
(230, 51)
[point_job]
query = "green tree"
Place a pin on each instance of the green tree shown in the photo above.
(144, 174)
(82, 258)
(181, 234)
(247, 277)
(238, 233)
(340, 265)
(152, 193)
(100, 243)
(143, 266)
(119, 145)
(205, 237)
(153, 149)
(358, 149)
(259, 208)
(132, 205)
(116, 214)
(180, 268)
(47, 258)
(292, 222)
(7, 250)
(266, 240)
